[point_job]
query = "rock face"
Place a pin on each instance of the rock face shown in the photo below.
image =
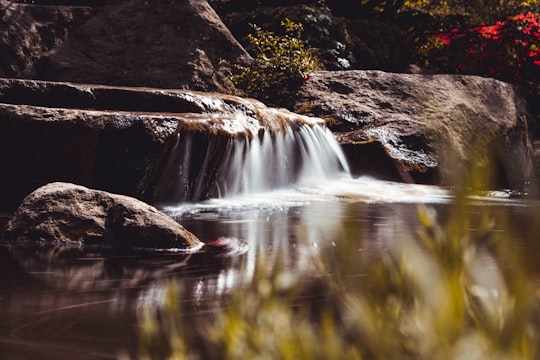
(28, 31)
(167, 44)
(65, 213)
(426, 128)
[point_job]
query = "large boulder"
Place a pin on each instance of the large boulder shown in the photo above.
(167, 44)
(63, 213)
(424, 128)
(176, 44)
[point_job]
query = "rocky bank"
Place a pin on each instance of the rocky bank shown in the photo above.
(119, 139)
(390, 125)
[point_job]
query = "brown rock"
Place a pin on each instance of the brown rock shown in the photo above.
(27, 31)
(109, 151)
(65, 213)
(428, 127)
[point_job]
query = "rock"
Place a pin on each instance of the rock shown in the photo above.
(120, 139)
(426, 128)
(110, 151)
(28, 31)
(167, 44)
(63, 213)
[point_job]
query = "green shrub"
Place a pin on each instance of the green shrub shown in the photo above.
(281, 63)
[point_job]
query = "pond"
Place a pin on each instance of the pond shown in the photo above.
(54, 305)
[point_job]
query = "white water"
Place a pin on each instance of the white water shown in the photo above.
(298, 154)
(344, 189)
(309, 154)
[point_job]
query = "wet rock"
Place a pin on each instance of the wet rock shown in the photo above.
(426, 128)
(120, 139)
(225, 246)
(63, 213)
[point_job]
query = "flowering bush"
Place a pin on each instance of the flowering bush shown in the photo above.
(509, 50)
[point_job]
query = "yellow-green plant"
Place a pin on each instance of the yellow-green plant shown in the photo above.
(281, 63)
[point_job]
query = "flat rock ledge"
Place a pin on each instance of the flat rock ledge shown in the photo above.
(67, 214)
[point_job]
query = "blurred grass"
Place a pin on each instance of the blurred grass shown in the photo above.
(456, 289)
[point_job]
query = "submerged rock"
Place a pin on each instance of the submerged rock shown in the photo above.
(63, 213)
(426, 128)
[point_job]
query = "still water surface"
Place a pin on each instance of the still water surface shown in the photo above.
(58, 303)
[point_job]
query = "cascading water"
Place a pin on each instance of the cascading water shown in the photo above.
(266, 162)
(243, 152)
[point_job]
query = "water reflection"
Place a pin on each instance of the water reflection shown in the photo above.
(86, 300)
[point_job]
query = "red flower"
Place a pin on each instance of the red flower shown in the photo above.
(507, 50)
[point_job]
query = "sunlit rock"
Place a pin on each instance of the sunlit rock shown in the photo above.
(426, 128)
(68, 214)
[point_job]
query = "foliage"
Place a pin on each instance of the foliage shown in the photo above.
(443, 293)
(508, 50)
(365, 6)
(476, 10)
(281, 63)
(379, 45)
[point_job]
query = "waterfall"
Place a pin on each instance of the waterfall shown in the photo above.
(242, 152)
(305, 154)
